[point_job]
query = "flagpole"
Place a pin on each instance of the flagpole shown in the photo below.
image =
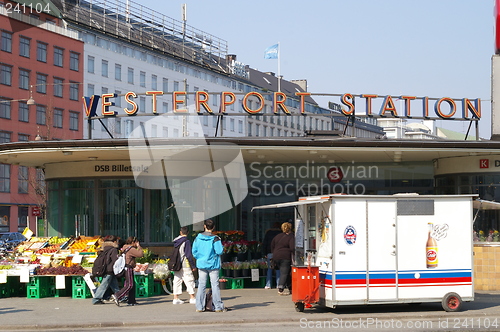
(279, 76)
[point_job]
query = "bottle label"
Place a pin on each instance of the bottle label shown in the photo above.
(432, 256)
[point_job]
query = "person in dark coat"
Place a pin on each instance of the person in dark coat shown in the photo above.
(283, 248)
(268, 253)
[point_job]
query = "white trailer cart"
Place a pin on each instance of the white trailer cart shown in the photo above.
(364, 249)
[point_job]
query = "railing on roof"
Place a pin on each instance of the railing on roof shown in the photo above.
(140, 24)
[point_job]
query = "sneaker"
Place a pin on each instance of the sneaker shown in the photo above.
(192, 301)
(223, 310)
(177, 301)
(132, 304)
(199, 310)
(267, 287)
(115, 299)
(98, 302)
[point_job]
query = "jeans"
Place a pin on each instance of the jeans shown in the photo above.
(202, 285)
(285, 280)
(269, 277)
(107, 281)
(128, 287)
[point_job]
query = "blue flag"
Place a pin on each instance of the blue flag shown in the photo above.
(271, 52)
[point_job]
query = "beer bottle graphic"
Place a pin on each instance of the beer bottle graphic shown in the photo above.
(431, 249)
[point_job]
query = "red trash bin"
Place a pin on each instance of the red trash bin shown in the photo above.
(305, 286)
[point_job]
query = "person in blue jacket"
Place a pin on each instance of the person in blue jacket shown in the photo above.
(207, 249)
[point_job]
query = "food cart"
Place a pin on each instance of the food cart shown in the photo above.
(371, 249)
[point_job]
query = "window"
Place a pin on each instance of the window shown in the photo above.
(24, 47)
(118, 100)
(7, 41)
(24, 79)
(41, 115)
(4, 178)
(73, 120)
(58, 118)
(118, 125)
(5, 108)
(23, 138)
(23, 112)
(142, 79)
(176, 86)
(6, 75)
(58, 87)
(90, 89)
(91, 64)
(104, 68)
(130, 76)
(58, 56)
(74, 61)
(142, 104)
(240, 126)
(5, 137)
(74, 90)
(154, 82)
(165, 85)
(41, 83)
(22, 179)
(41, 52)
(118, 72)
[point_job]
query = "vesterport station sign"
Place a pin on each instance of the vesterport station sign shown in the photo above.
(373, 105)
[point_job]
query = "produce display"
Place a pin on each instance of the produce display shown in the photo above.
(61, 270)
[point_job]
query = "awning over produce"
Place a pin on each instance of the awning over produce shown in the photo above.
(280, 205)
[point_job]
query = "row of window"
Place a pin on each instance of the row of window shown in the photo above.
(41, 82)
(22, 178)
(41, 51)
(57, 115)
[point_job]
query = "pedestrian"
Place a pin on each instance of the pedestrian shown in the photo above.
(283, 248)
(207, 249)
(188, 267)
(268, 253)
(109, 283)
(132, 249)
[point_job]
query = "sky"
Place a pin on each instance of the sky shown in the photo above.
(434, 48)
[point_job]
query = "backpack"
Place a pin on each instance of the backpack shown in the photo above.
(100, 264)
(209, 303)
(174, 263)
(119, 265)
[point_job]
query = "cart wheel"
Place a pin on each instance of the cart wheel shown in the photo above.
(452, 302)
(299, 306)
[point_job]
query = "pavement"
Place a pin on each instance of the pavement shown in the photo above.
(250, 305)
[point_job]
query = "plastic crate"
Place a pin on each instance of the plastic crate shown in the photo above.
(79, 288)
(144, 280)
(61, 292)
(4, 290)
(235, 283)
(261, 283)
(157, 288)
(39, 287)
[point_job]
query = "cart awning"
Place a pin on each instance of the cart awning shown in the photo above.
(481, 204)
(280, 205)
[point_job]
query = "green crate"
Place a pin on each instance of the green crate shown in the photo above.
(61, 292)
(79, 289)
(235, 283)
(4, 290)
(144, 280)
(39, 287)
(157, 288)
(261, 283)
(144, 291)
(15, 286)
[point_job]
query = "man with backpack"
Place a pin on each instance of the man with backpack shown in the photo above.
(207, 249)
(183, 265)
(103, 267)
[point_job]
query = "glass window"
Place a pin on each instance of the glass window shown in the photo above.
(23, 138)
(58, 118)
(74, 61)
(41, 115)
(6, 75)
(91, 64)
(142, 79)
(41, 52)
(142, 104)
(154, 82)
(73, 120)
(41, 83)
(58, 56)
(22, 179)
(58, 87)
(24, 47)
(23, 112)
(5, 137)
(74, 91)
(5, 105)
(118, 72)
(130, 76)
(24, 79)
(104, 68)
(4, 178)
(165, 84)
(6, 41)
